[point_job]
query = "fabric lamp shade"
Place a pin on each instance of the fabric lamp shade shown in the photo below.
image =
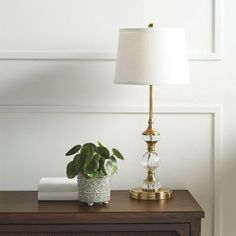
(152, 56)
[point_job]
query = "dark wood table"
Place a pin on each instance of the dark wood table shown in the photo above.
(22, 214)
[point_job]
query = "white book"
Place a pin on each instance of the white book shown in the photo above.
(57, 184)
(57, 196)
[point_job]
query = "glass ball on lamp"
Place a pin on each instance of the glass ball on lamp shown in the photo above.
(150, 160)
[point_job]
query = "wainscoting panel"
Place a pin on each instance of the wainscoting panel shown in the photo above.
(34, 139)
(87, 29)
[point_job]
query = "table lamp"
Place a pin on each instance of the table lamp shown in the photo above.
(151, 56)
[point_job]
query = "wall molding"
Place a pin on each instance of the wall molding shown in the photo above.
(214, 110)
(165, 109)
(215, 54)
(216, 48)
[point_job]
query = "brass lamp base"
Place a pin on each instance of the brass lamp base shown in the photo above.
(139, 193)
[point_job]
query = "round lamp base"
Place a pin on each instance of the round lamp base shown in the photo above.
(158, 194)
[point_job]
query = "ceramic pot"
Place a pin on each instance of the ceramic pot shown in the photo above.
(94, 190)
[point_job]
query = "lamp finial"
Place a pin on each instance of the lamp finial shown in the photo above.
(151, 25)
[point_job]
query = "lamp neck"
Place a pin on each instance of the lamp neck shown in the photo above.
(150, 133)
(150, 120)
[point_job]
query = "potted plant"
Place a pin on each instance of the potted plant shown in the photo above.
(93, 165)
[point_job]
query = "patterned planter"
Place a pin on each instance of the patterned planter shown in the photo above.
(94, 190)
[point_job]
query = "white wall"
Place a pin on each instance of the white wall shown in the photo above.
(33, 140)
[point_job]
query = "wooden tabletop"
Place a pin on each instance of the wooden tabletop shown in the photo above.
(20, 206)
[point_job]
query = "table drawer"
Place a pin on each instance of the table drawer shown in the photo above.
(97, 229)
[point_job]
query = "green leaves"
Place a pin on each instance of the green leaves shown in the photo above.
(92, 161)
(76, 157)
(88, 150)
(97, 157)
(89, 147)
(72, 169)
(73, 150)
(113, 159)
(109, 167)
(91, 166)
(99, 144)
(103, 151)
(117, 154)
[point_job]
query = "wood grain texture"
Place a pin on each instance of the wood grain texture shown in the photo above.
(181, 228)
(97, 234)
(26, 201)
(22, 214)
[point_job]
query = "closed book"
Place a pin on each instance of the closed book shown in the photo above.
(57, 184)
(57, 196)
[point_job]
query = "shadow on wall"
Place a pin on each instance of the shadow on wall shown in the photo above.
(56, 82)
(30, 141)
(31, 136)
(228, 191)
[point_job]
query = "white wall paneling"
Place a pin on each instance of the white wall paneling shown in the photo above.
(34, 139)
(54, 29)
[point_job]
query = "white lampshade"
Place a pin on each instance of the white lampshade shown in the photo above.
(152, 56)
